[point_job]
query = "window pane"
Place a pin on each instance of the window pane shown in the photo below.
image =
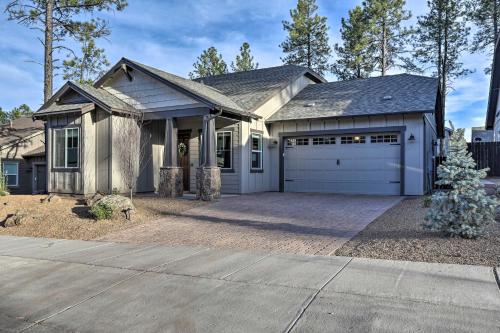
(256, 142)
(11, 180)
(72, 157)
(10, 169)
(72, 138)
(59, 148)
(224, 150)
(256, 157)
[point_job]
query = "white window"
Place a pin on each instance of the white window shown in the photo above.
(67, 148)
(346, 140)
(256, 151)
(11, 173)
(391, 138)
(224, 150)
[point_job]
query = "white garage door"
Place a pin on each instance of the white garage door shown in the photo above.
(361, 164)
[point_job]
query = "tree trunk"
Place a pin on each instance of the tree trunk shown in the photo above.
(444, 68)
(47, 67)
(383, 60)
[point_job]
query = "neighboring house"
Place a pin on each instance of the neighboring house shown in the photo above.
(479, 134)
(22, 153)
(273, 129)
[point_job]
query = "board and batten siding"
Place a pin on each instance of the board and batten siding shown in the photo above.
(146, 93)
(59, 180)
(414, 152)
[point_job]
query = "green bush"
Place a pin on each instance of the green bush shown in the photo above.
(427, 201)
(102, 211)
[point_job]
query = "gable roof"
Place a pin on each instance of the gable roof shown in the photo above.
(253, 88)
(100, 97)
(21, 128)
(394, 94)
(196, 90)
(494, 88)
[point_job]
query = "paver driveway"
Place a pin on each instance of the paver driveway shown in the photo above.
(278, 222)
(75, 286)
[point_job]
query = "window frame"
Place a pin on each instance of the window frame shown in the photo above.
(261, 151)
(16, 163)
(230, 169)
(66, 167)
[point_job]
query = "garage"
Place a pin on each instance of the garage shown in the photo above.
(347, 163)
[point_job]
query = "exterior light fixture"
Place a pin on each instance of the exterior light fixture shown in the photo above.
(411, 138)
(357, 138)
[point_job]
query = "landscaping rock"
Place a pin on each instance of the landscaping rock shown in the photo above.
(51, 198)
(120, 204)
(17, 219)
(497, 214)
(89, 201)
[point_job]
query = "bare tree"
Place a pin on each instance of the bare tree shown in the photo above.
(131, 142)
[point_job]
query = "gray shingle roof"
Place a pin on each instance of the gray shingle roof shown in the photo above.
(111, 101)
(253, 88)
(408, 93)
(205, 92)
(40, 151)
(62, 108)
(21, 128)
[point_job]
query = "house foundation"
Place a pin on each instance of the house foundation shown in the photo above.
(170, 185)
(208, 183)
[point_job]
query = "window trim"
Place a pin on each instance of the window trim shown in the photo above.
(230, 169)
(17, 172)
(261, 151)
(66, 167)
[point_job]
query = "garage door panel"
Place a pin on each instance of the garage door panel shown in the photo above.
(369, 168)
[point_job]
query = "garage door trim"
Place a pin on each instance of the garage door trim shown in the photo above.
(394, 129)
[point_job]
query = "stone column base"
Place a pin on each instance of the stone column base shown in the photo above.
(171, 183)
(208, 183)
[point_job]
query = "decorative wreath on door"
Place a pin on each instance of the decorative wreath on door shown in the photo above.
(182, 149)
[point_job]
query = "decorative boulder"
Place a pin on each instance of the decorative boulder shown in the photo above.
(51, 198)
(119, 204)
(89, 201)
(16, 219)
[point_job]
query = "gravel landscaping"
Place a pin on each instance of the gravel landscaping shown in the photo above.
(398, 234)
(69, 218)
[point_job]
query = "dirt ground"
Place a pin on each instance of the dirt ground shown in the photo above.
(69, 218)
(398, 234)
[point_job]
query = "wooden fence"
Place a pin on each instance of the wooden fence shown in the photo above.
(486, 155)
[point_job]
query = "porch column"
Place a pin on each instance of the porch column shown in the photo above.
(208, 180)
(170, 173)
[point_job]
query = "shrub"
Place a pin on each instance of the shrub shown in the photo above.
(465, 210)
(102, 211)
(427, 201)
(3, 185)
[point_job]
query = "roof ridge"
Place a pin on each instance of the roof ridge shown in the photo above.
(252, 70)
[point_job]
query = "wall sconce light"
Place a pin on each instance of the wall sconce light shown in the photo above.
(411, 138)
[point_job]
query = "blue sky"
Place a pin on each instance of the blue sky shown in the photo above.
(170, 34)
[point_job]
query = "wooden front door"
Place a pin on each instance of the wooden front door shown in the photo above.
(183, 156)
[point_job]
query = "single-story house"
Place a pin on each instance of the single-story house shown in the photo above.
(493, 111)
(22, 153)
(283, 128)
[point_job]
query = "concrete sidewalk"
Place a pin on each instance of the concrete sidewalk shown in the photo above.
(65, 286)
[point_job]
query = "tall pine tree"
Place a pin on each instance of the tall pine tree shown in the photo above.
(485, 14)
(355, 58)
(209, 63)
(92, 63)
(440, 38)
(307, 40)
(244, 61)
(57, 19)
(387, 35)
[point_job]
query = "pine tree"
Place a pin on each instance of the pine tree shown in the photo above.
(387, 35)
(485, 14)
(355, 58)
(307, 40)
(209, 63)
(57, 19)
(465, 210)
(440, 38)
(4, 117)
(20, 111)
(244, 61)
(93, 62)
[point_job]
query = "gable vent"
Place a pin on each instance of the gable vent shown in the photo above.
(309, 105)
(387, 97)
